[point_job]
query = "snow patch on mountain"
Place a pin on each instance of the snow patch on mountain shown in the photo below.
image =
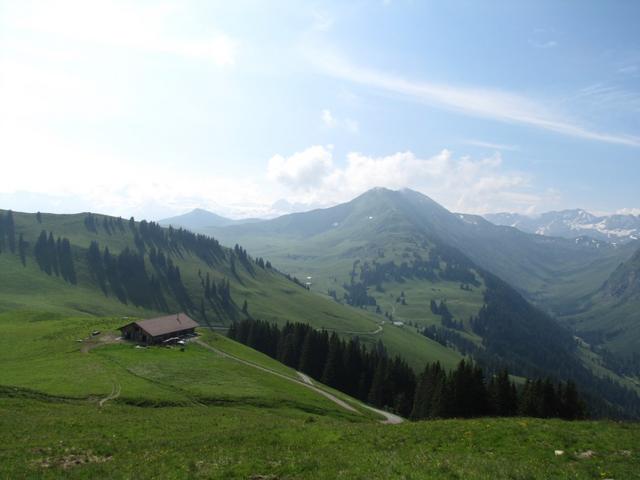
(616, 228)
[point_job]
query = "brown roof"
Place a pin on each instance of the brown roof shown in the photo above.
(168, 324)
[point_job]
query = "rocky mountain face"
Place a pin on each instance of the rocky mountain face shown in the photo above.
(576, 223)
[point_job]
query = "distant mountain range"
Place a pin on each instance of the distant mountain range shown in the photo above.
(616, 228)
(199, 218)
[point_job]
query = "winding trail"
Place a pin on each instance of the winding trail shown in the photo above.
(390, 418)
(353, 332)
(304, 383)
(115, 393)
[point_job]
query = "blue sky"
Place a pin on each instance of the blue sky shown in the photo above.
(154, 108)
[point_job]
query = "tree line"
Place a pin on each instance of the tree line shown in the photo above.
(7, 232)
(466, 392)
(371, 375)
(125, 275)
(54, 256)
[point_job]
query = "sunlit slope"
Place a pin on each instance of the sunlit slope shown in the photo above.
(74, 405)
(269, 294)
(55, 356)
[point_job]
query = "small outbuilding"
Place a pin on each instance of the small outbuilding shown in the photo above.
(157, 330)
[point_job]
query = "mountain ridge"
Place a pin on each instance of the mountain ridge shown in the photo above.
(201, 218)
(574, 223)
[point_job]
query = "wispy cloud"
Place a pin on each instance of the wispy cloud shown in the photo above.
(610, 97)
(628, 69)
(349, 124)
(546, 44)
(491, 145)
(481, 102)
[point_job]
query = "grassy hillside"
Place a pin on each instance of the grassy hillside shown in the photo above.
(396, 267)
(610, 317)
(398, 253)
(270, 295)
(56, 357)
(98, 409)
(533, 264)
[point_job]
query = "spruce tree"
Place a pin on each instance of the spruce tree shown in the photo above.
(307, 355)
(41, 253)
(2, 233)
(22, 250)
(377, 395)
(331, 373)
(10, 230)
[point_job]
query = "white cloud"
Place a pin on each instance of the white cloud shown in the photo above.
(302, 170)
(72, 178)
(629, 211)
(328, 119)
(348, 124)
(462, 184)
(482, 102)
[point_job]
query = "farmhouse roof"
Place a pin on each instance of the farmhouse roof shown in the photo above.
(168, 324)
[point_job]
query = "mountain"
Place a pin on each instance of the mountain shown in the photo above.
(199, 219)
(540, 267)
(574, 224)
(92, 265)
(379, 268)
(624, 282)
(417, 265)
(609, 318)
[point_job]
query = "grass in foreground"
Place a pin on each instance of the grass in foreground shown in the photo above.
(50, 440)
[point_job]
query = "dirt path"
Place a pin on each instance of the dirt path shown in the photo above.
(90, 343)
(327, 395)
(352, 332)
(305, 378)
(115, 393)
(390, 418)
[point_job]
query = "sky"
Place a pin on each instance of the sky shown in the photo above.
(248, 108)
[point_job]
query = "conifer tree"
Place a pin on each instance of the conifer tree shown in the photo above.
(331, 373)
(22, 250)
(41, 253)
(2, 233)
(52, 254)
(377, 391)
(10, 231)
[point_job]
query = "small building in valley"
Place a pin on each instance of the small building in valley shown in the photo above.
(157, 330)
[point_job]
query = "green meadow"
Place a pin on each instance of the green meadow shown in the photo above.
(75, 405)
